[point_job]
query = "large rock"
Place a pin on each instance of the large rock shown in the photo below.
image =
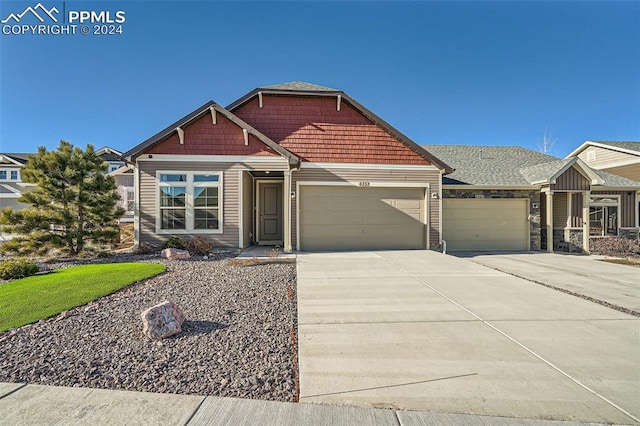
(162, 320)
(174, 253)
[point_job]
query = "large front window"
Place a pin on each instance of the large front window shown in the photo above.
(603, 216)
(189, 201)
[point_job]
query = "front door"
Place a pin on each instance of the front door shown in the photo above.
(269, 213)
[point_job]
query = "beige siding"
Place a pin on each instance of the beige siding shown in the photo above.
(560, 211)
(628, 206)
(604, 157)
(571, 180)
(247, 208)
(631, 171)
(432, 177)
(230, 193)
(13, 203)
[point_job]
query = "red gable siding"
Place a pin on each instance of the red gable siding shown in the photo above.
(202, 137)
(315, 130)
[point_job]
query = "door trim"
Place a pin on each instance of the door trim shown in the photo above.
(372, 184)
(257, 213)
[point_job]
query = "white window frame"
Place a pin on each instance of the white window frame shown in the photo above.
(8, 171)
(189, 201)
(606, 204)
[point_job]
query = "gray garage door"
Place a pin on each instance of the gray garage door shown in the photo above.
(355, 218)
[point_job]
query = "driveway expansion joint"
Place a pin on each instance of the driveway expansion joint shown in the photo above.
(530, 351)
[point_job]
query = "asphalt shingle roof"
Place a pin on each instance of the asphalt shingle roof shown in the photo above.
(631, 146)
(506, 166)
(19, 157)
(300, 86)
(616, 181)
(488, 165)
(541, 172)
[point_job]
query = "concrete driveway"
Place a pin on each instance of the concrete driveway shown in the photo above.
(426, 331)
(586, 275)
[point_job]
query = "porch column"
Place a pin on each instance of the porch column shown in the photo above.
(286, 194)
(585, 222)
(549, 215)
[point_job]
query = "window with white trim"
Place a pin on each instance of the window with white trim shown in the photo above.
(603, 215)
(189, 201)
(14, 175)
(3, 175)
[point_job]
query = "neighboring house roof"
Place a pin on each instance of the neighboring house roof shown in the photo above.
(513, 167)
(198, 113)
(15, 158)
(611, 180)
(488, 165)
(621, 146)
(126, 169)
(300, 88)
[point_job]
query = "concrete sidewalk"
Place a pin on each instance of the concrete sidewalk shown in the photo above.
(420, 330)
(22, 404)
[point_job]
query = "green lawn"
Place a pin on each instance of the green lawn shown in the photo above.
(39, 297)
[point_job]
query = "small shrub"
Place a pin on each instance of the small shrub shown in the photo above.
(104, 254)
(17, 268)
(198, 245)
(615, 246)
(174, 242)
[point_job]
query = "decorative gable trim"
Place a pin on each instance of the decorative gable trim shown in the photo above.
(212, 108)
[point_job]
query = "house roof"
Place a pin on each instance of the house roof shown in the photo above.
(196, 114)
(109, 154)
(15, 158)
(514, 166)
(628, 147)
(301, 88)
(611, 180)
(489, 165)
(300, 85)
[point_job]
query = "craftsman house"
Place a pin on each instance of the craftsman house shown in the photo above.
(297, 165)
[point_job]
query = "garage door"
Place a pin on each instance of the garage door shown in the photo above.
(355, 218)
(485, 224)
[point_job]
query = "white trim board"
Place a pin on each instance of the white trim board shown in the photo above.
(215, 158)
(366, 166)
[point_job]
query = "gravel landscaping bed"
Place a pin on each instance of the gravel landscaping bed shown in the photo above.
(236, 340)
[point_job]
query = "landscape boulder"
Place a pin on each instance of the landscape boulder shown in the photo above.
(162, 320)
(174, 254)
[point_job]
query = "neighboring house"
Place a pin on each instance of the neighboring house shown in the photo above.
(512, 198)
(11, 185)
(126, 189)
(619, 158)
(297, 165)
(112, 157)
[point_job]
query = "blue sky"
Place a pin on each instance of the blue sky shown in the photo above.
(494, 73)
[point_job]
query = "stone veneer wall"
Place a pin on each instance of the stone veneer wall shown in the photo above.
(534, 206)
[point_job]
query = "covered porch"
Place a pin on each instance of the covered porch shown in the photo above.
(265, 209)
